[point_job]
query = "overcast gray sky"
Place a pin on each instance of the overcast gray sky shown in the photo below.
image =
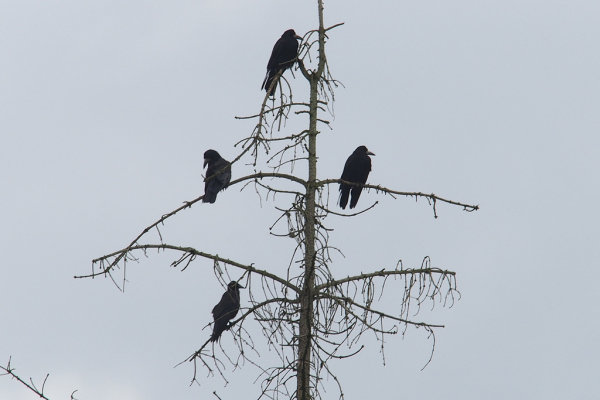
(105, 111)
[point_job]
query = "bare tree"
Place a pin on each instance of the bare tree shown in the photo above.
(307, 316)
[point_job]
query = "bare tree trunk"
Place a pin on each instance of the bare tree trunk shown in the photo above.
(306, 312)
(307, 297)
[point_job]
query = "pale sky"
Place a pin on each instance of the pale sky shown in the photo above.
(107, 107)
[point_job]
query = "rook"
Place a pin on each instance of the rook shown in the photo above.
(356, 170)
(283, 56)
(226, 310)
(215, 183)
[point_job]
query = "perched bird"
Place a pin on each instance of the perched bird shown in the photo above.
(356, 170)
(283, 57)
(212, 186)
(226, 310)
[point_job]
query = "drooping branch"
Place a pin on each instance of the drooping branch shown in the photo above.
(345, 301)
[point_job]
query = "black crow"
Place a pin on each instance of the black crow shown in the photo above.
(213, 186)
(356, 170)
(226, 310)
(283, 57)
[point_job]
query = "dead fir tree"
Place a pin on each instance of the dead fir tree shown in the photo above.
(307, 316)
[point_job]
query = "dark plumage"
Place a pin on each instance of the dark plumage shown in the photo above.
(283, 56)
(213, 186)
(356, 170)
(226, 310)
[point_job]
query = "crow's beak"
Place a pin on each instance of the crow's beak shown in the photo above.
(297, 37)
(205, 162)
(370, 153)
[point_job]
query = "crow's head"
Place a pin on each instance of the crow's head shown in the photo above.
(210, 156)
(363, 150)
(292, 33)
(233, 285)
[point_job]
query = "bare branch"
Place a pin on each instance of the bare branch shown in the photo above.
(194, 252)
(384, 273)
(9, 370)
(379, 188)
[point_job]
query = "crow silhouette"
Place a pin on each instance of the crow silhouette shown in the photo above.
(214, 184)
(283, 57)
(356, 170)
(226, 310)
